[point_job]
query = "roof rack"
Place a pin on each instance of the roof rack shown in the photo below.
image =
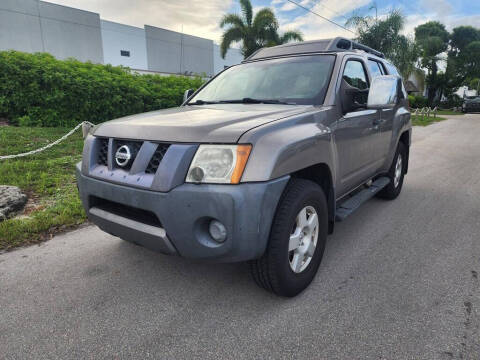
(326, 45)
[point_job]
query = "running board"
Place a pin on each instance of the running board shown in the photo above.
(352, 204)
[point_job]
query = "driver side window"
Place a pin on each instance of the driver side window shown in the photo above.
(355, 75)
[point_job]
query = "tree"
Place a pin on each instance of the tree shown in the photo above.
(383, 34)
(474, 84)
(254, 32)
(432, 39)
(463, 62)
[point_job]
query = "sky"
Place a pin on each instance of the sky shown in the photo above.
(201, 17)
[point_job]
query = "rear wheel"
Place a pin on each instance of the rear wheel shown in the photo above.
(395, 174)
(297, 240)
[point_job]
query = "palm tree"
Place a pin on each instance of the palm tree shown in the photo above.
(254, 32)
(383, 34)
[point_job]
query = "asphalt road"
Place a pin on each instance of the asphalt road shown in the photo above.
(399, 280)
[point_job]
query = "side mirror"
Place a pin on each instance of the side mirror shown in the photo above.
(187, 94)
(384, 92)
(352, 98)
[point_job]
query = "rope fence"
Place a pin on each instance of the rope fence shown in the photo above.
(86, 125)
(426, 111)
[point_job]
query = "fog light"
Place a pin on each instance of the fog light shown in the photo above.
(217, 231)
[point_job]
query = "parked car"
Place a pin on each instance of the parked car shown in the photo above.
(258, 164)
(471, 104)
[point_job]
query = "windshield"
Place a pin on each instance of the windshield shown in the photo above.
(294, 80)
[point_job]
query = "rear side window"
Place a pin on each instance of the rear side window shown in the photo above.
(375, 68)
(392, 70)
(355, 75)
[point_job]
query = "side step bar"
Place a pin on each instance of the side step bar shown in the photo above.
(352, 204)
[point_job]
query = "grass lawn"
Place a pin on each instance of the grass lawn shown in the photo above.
(418, 121)
(49, 180)
(448, 112)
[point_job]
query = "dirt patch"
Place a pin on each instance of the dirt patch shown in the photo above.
(33, 204)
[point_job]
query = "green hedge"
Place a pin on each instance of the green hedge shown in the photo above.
(417, 101)
(39, 90)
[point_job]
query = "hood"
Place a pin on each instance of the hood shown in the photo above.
(221, 123)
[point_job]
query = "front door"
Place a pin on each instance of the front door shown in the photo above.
(354, 134)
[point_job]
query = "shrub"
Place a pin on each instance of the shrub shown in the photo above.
(39, 90)
(417, 101)
(451, 101)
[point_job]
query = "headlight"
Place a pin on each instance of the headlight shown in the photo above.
(222, 164)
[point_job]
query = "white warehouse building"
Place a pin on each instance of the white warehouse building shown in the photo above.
(39, 26)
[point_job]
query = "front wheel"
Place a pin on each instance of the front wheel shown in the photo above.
(297, 240)
(396, 174)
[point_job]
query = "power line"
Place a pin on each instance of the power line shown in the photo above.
(333, 11)
(323, 17)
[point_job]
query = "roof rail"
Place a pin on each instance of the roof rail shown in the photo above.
(357, 46)
(325, 45)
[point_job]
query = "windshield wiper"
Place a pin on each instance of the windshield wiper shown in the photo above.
(248, 100)
(203, 102)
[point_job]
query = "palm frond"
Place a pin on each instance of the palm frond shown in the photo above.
(247, 10)
(292, 35)
(396, 20)
(265, 25)
(232, 19)
(265, 18)
(358, 21)
(234, 34)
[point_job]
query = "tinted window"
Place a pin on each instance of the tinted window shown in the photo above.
(299, 80)
(354, 74)
(375, 69)
(392, 70)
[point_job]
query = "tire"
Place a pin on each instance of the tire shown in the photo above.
(274, 271)
(393, 189)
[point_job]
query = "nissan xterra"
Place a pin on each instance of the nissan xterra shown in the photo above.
(258, 164)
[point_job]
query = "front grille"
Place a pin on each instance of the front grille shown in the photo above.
(134, 147)
(129, 212)
(119, 161)
(103, 152)
(157, 158)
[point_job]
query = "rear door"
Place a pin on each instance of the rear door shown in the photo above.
(354, 133)
(383, 125)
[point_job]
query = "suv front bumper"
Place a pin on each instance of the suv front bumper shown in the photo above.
(184, 214)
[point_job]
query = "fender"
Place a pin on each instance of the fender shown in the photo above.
(401, 124)
(287, 146)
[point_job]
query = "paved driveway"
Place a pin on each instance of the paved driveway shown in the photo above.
(399, 280)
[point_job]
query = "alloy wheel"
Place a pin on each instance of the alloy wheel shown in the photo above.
(303, 239)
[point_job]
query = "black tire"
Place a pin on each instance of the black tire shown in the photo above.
(273, 271)
(391, 191)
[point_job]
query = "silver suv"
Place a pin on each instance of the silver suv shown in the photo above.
(258, 164)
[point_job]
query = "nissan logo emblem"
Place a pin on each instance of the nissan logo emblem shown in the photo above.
(123, 156)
